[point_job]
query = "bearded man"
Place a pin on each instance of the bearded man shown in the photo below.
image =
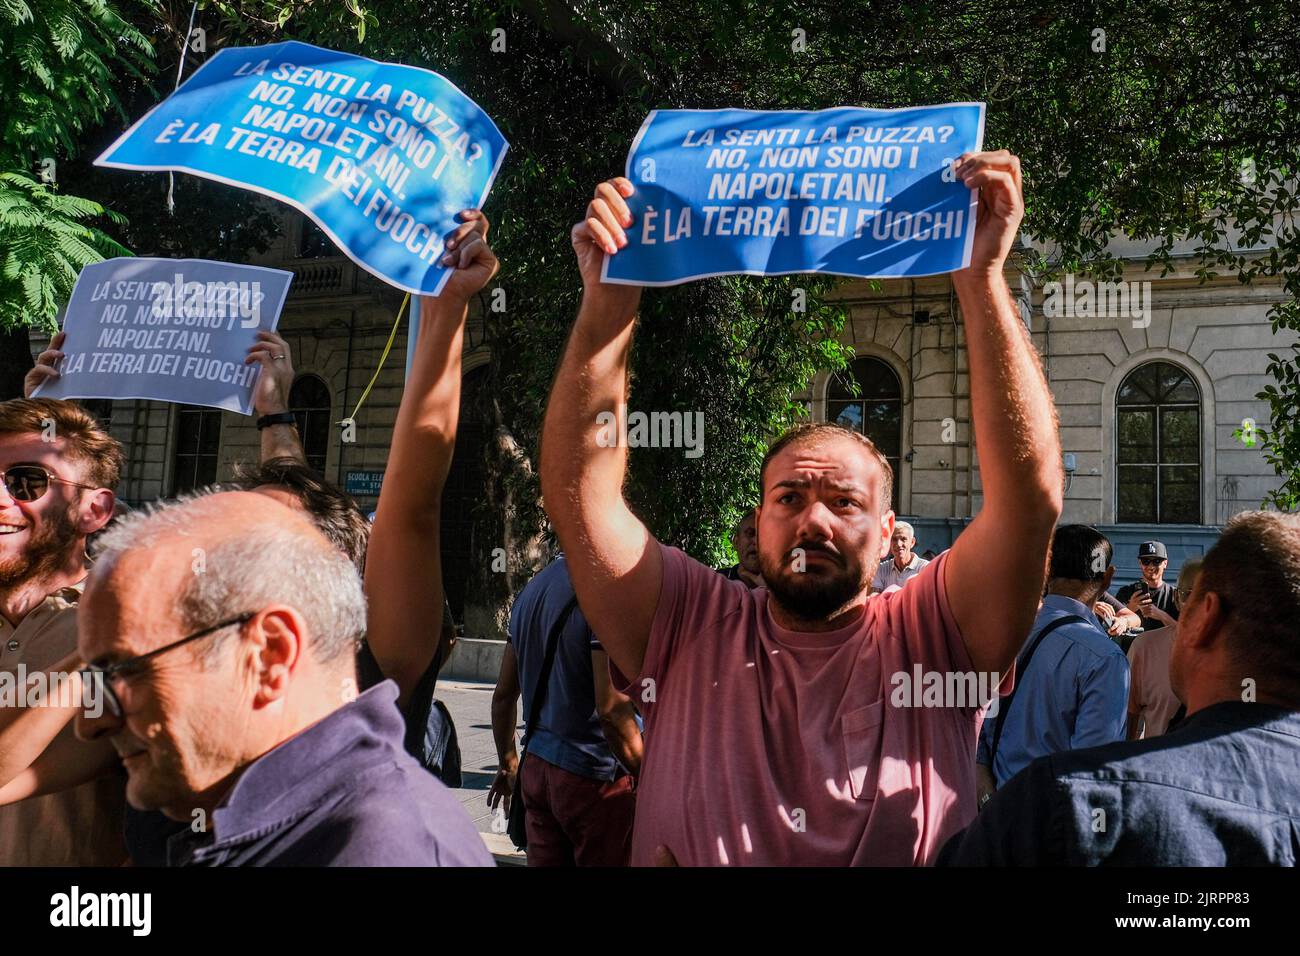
(58, 470)
(771, 732)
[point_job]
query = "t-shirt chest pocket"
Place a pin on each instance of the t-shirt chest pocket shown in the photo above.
(862, 729)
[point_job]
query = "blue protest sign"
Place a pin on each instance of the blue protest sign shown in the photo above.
(381, 156)
(849, 191)
(170, 330)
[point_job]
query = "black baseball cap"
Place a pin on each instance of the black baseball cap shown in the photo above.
(1152, 549)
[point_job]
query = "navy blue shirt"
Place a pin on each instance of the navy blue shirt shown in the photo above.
(147, 831)
(1074, 694)
(343, 792)
(568, 732)
(1220, 789)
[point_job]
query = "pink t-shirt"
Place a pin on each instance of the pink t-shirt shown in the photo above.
(1150, 693)
(770, 747)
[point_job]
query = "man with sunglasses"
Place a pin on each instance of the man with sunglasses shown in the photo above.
(1151, 598)
(58, 470)
(224, 630)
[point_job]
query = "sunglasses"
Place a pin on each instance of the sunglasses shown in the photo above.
(129, 668)
(1150, 561)
(30, 482)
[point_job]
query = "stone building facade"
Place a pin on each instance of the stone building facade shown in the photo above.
(1148, 400)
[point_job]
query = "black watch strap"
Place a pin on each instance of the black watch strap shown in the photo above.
(277, 418)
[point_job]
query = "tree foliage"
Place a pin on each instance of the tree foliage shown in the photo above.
(64, 63)
(44, 243)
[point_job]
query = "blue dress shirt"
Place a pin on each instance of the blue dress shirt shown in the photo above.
(1073, 695)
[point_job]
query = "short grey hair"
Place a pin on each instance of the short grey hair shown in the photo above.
(275, 563)
(911, 532)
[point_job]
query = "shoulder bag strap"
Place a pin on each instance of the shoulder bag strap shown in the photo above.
(1022, 667)
(548, 663)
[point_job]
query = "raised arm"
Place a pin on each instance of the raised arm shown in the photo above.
(403, 560)
(614, 562)
(1002, 554)
(47, 365)
(271, 396)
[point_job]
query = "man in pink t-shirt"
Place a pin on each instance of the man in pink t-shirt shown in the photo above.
(808, 723)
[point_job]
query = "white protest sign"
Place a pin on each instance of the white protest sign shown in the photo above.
(168, 330)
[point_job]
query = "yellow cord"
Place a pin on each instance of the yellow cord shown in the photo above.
(388, 347)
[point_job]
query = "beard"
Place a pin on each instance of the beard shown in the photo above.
(813, 597)
(46, 550)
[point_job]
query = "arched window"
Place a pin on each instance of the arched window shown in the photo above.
(874, 407)
(1158, 439)
(309, 400)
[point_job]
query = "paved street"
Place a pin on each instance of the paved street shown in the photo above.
(470, 704)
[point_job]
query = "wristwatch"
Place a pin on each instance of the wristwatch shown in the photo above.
(276, 418)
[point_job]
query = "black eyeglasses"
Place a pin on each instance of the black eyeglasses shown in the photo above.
(1150, 561)
(29, 482)
(131, 666)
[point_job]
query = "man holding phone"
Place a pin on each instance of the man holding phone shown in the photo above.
(1150, 598)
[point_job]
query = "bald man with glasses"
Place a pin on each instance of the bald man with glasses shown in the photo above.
(225, 630)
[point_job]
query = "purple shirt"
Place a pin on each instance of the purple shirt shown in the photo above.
(343, 792)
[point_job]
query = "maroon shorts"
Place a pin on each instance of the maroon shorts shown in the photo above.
(576, 821)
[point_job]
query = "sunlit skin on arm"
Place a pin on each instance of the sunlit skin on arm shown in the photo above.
(615, 564)
(403, 560)
(271, 396)
(1001, 553)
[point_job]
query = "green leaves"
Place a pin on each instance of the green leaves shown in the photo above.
(63, 67)
(64, 63)
(45, 242)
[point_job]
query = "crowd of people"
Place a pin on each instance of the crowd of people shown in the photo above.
(247, 675)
